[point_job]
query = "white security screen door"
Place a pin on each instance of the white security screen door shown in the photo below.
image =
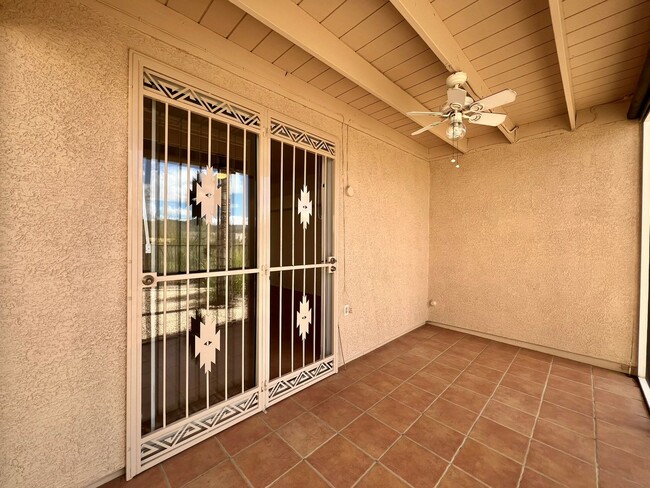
(212, 340)
(196, 368)
(302, 262)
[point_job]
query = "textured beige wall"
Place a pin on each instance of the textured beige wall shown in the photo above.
(539, 241)
(387, 244)
(64, 73)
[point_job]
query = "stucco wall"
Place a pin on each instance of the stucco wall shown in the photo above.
(64, 73)
(386, 277)
(539, 241)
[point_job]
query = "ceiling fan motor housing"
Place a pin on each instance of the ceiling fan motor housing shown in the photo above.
(456, 79)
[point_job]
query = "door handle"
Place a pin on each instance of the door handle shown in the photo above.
(148, 280)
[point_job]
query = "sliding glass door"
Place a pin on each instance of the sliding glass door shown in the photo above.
(199, 272)
(301, 262)
(231, 263)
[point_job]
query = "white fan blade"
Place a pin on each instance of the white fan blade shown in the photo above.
(496, 100)
(426, 128)
(456, 95)
(487, 119)
(438, 114)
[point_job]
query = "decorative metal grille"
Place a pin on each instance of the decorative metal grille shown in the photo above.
(155, 82)
(184, 188)
(154, 448)
(284, 386)
(285, 131)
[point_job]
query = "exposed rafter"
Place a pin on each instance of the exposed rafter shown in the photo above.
(424, 19)
(562, 48)
(292, 22)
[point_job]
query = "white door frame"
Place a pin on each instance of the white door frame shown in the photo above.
(644, 288)
(227, 413)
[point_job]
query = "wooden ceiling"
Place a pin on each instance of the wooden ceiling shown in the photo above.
(504, 43)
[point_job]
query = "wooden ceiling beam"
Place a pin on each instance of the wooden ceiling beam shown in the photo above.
(562, 48)
(424, 19)
(296, 25)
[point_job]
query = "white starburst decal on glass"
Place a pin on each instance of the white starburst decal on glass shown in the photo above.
(303, 318)
(208, 194)
(304, 207)
(207, 345)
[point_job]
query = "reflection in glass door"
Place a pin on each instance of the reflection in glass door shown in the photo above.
(198, 276)
(200, 318)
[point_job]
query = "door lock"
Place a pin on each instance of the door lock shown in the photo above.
(332, 262)
(148, 280)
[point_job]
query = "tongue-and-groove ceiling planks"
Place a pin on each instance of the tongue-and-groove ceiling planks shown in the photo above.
(509, 43)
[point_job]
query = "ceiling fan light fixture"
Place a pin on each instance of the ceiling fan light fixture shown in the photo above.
(460, 106)
(456, 130)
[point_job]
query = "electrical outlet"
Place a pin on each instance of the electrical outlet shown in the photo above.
(347, 310)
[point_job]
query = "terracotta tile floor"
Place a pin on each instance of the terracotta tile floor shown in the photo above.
(435, 408)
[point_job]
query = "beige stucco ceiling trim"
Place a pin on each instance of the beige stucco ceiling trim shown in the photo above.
(293, 23)
(562, 48)
(154, 19)
(424, 19)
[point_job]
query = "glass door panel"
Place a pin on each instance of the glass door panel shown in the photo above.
(199, 344)
(195, 345)
(300, 326)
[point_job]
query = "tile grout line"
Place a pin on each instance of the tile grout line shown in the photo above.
(378, 463)
(510, 428)
(339, 431)
(405, 350)
(232, 461)
(228, 458)
(241, 473)
(387, 395)
(439, 396)
(530, 436)
(273, 432)
(549, 401)
(300, 456)
(482, 483)
(646, 415)
(597, 442)
(320, 475)
(431, 403)
(372, 465)
(469, 431)
(532, 432)
(414, 421)
(593, 407)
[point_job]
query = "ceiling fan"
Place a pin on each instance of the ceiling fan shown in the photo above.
(460, 106)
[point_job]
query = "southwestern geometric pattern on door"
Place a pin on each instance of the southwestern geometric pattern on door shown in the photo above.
(204, 353)
(154, 448)
(301, 259)
(279, 389)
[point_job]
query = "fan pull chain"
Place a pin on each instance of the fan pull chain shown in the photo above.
(455, 155)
